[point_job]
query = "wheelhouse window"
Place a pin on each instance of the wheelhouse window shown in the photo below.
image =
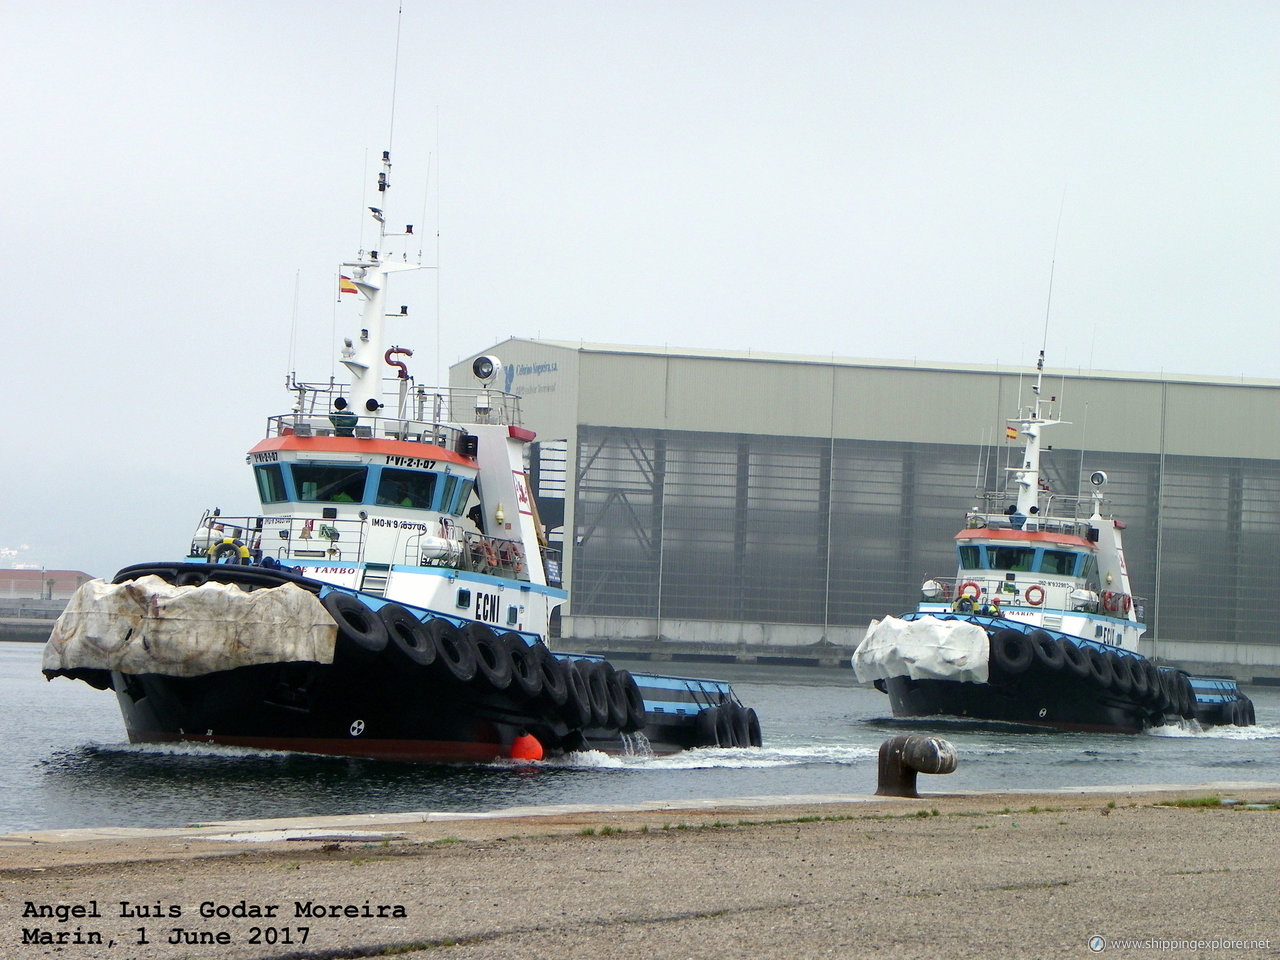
(460, 498)
(1059, 563)
(406, 488)
(1087, 569)
(320, 483)
(448, 492)
(970, 558)
(270, 483)
(1011, 558)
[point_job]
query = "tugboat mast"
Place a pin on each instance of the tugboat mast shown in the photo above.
(363, 356)
(1027, 476)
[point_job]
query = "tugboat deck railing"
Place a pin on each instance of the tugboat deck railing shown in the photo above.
(1056, 509)
(291, 540)
(1059, 514)
(1041, 523)
(990, 584)
(366, 427)
(437, 415)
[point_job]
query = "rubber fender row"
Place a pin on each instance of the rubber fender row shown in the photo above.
(1178, 697)
(1158, 691)
(728, 725)
(247, 578)
(601, 696)
(1238, 712)
(582, 695)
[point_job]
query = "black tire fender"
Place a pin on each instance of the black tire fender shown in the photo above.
(1188, 697)
(555, 677)
(596, 674)
(577, 710)
(456, 658)
(635, 719)
(1076, 659)
(357, 623)
(754, 737)
(741, 730)
(191, 578)
(1011, 652)
(707, 727)
(1048, 650)
(493, 661)
(1121, 672)
(724, 725)
(526, 666)
(1155, 692)
(617, 700)
(1100, 669)
(1138, 676)
(410, 639)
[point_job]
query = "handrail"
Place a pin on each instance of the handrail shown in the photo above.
(366, 428)
(278, 537)
(990, 585)
(410, 411)
(975, 520)
(1056, 506)
(289, 538)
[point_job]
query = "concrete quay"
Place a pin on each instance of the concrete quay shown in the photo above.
(1026, 874)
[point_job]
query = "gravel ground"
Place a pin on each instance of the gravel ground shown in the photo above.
(975, 875)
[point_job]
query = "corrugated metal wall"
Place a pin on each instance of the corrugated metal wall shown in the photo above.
(791, 490)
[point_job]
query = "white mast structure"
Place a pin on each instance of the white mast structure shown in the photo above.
(1027, 477)
(364, 356)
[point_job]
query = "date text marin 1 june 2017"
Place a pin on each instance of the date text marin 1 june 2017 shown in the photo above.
(63, 914)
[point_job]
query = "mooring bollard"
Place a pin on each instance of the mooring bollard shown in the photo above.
(903, 756)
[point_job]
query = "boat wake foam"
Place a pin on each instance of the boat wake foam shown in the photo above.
(703, 758)
(1192, 728)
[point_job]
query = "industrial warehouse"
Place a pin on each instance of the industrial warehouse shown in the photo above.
(768, 507)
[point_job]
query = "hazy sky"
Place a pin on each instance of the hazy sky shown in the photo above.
(864, 179)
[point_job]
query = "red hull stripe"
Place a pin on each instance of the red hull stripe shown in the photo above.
(1029, 536)
(394, 448)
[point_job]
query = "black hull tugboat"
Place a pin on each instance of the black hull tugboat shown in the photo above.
(392, 598)
(1039, 626)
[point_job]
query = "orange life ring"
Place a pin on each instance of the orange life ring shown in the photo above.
(1126, 603)
(489, 553)
(1035, 595)
(1108, 600)
(965, 586)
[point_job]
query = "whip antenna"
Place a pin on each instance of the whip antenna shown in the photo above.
(395, 75)
(1053, 262)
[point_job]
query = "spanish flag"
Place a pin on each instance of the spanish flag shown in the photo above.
(345, 285)
(1010, 433)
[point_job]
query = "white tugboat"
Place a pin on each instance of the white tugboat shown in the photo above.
(1040, 625)
(392, 596)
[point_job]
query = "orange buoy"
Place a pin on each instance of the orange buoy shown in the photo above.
(526, 747)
